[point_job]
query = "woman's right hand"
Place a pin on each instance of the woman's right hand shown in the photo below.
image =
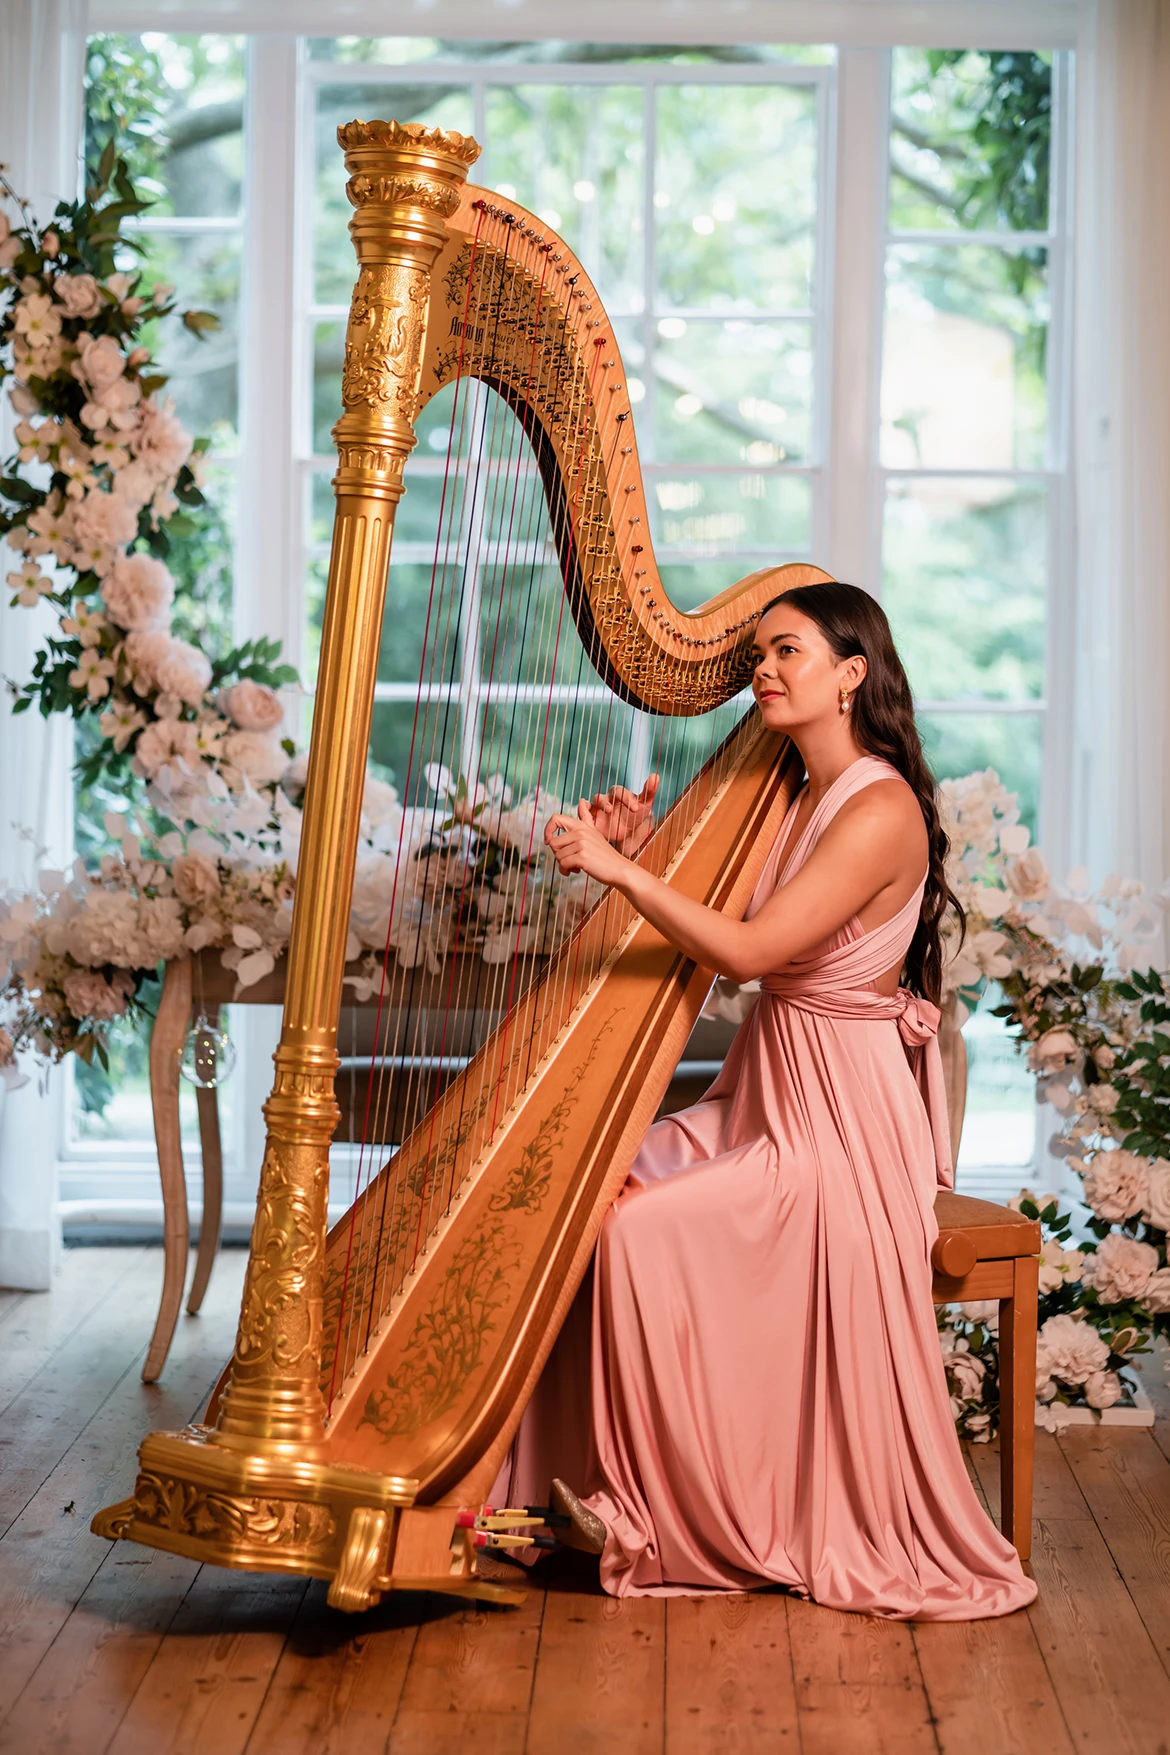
(625, 818)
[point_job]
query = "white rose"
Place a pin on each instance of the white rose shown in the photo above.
(134, 482)
(1120, 1267)
(1052, 1051)
(1045, 1388)
(184, 672)
(138, 591)
(1027, 876)
(1073, 1347)
(1115, 1185)
(965, 1370)
(256, 756)
(116, 401)
(195, 879)
(79, 294)
(159, 440)
(1102, 1389)
(99, 361)
(103, 520)
(379, 802)
(252, 706)
(145, 650)
(1156, 1296)
(1157, 1208)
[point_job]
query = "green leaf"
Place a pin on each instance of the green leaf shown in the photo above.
(107, 162)
(201, 323)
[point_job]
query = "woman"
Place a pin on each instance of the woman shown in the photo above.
(768, 1397)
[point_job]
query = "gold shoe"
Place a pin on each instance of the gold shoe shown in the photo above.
(587, 1532)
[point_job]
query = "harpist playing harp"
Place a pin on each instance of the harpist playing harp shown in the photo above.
(382, 1370)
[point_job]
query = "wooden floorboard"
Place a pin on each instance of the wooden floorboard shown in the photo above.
(729, 1679)
(45, 1322)
(1111, 1685)
(600, 1684)
(859, 1686)
(1125, 1480)
(114, 1650)
(336, 1687)
(79, 1618)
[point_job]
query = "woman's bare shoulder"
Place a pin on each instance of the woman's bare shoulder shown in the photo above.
(884, 812)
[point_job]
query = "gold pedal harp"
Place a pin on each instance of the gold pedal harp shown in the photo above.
(380, 1369)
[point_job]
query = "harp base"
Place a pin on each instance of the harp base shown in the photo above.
(286, 1513)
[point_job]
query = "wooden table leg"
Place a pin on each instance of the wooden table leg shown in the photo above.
(166, 1045)
(207, 1101)
(1017, 1403)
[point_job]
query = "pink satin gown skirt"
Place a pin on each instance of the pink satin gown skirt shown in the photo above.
(768, 1403)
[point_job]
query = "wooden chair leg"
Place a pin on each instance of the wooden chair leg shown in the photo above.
(207, 1102)
(1017, 1403)
(166, 1045)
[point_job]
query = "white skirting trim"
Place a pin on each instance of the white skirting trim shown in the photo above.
(1139, 1413)
(26, 1260)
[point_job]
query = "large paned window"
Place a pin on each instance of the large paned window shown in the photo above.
(972, 438)
(712, 195)
(972, 451)
(711, 265)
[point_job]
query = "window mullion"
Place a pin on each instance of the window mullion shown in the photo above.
(269, 516)
(857, 279)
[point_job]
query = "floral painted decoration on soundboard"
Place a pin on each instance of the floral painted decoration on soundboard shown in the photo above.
(1093, 1019)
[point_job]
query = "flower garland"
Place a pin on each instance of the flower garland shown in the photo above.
(92, 501)
(1095, 1029)
(209, 860)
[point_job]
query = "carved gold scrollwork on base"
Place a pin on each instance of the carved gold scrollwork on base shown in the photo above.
(114, 1521)
(364, 1561)
(192, 1510)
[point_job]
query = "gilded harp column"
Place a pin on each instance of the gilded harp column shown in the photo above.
(404, 182)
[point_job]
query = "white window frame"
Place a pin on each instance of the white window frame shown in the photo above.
(846, 526)
(651, 78)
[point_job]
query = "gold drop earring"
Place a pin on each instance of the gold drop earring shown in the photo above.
(844, 699)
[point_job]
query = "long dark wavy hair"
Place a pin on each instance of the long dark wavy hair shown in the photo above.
(882, 711)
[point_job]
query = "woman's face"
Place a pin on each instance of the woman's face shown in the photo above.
(797, 680)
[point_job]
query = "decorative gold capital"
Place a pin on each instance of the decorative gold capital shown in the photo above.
(413, 137)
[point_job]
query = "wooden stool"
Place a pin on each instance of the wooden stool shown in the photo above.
(989, 1251)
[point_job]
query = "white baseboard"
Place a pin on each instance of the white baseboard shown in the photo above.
(26, 1259)
(1140, 1413)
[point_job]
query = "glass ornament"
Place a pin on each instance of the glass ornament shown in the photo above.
(208, 1054)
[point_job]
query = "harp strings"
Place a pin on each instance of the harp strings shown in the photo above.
(493, 503)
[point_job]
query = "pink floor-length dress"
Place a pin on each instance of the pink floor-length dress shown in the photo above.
(768, 1398)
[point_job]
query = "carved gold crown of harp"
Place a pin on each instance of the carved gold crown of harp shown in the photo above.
(380, 1369)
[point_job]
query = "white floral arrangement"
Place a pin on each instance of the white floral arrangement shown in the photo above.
(1093, 1017)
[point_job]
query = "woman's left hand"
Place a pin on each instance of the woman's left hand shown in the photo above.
(578, 845)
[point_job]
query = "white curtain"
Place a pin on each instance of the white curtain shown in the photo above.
(42, 50)
(1122, 436)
